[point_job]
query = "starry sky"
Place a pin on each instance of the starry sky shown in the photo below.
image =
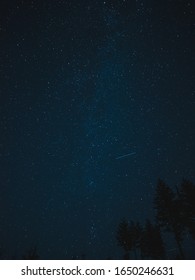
(82, 84)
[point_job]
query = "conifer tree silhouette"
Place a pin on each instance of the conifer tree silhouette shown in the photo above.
(32, 254)
(151, 242)
(123, 237)
(187, 199)
(168, 213)
(135, 233)
(128, 237)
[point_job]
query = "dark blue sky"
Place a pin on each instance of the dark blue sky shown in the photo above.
(82, 83)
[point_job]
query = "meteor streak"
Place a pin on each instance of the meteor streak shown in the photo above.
(127, 155)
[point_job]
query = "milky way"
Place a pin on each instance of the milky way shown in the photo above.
(97, 104)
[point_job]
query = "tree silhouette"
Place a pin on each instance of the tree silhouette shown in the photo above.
(187, 198)
(135, 233)
(169, 213)
(128, 237)
(124, 238)
(32, 254)
(151, 242)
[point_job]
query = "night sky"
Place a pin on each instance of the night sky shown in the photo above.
(82, 84)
